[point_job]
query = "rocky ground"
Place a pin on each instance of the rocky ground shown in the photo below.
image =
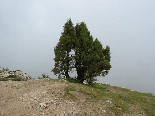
(40, 98)
(46, 97)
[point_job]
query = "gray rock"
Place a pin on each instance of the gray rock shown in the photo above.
(43, 105)
(5, 72)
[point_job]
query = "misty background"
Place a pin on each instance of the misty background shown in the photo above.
(30, 29)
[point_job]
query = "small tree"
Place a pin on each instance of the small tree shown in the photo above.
(83, 46)
(63, 58)
(77, 49)
(99, 62)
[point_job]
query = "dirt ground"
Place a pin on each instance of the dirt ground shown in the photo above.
(44, 98)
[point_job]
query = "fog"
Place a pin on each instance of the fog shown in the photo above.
(30, 29)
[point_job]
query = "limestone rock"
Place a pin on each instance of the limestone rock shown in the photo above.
(5, 72)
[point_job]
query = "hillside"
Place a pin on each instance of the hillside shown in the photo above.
(47, 97)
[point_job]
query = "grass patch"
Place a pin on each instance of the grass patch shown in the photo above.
(4, 79)
(69, 88)
(68, 94)
(122, 100)
(121, 103)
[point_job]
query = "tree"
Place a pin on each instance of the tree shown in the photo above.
(84, 42)
(77, 49)
(63, 60)
(99, 61)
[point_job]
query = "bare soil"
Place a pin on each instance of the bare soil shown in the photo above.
(46, 97)
(43, 98)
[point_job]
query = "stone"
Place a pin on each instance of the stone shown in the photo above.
(5, 72)
(104, 111)
(43, 105)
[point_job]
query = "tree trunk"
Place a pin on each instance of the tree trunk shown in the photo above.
(80, 77)
(66, 72)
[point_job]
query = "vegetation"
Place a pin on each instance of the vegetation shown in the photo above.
(118, 100)
(4, 79)
(77, 50)
(90, 100)
(44, 75)
(12, 78)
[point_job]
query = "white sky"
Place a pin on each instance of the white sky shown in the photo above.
(30, 29)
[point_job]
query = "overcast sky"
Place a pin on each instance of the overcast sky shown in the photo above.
(30, 29)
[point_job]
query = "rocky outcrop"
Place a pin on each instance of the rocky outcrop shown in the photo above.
(5, 72)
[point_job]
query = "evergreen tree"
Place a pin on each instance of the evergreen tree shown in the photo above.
(83, 46)
(99, 61)
(63, 59)
(77, 49)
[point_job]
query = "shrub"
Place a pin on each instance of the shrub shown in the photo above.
(12, 78)
(44, 75)
(4, 79)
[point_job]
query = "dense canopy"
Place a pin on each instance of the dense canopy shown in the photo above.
(78, 51)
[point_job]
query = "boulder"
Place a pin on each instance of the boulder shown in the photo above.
(5, 72)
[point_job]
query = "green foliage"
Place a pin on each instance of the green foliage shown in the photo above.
(44, 75)
(4, 79)
(63, 59)
(71, 88)
(12, 78)
(78, 50)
